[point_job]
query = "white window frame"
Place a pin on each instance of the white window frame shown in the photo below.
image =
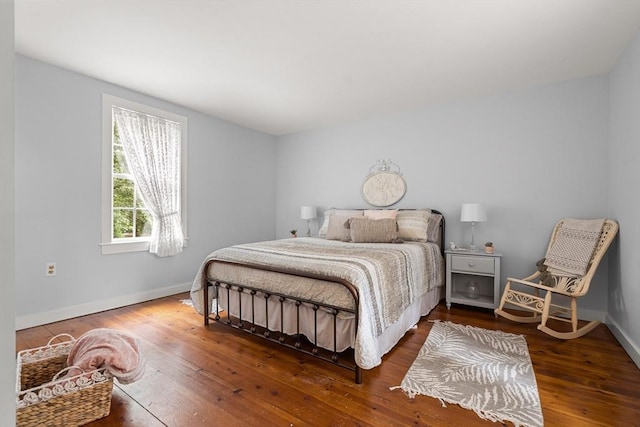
(135, 244)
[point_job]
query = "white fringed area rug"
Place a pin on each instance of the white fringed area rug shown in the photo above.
(489, 372)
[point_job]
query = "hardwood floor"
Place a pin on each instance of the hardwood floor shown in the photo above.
(199, 376)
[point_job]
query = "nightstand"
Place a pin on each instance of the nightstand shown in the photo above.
(464, 267)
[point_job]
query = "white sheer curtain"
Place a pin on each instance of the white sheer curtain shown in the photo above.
(152, 148)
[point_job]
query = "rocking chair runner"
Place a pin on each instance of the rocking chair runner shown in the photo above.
(530, 299)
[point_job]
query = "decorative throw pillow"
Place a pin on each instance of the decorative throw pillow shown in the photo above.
(333, 211)
(381, 213)
(337, 230)
(413, 224)
(366, 230)
(433, 228)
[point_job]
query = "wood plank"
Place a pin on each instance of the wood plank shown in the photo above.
(214, 375)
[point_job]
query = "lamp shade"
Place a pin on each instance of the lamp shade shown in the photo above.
(472, 212)
(308, 212)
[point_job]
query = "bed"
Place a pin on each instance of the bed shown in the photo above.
(347, 296)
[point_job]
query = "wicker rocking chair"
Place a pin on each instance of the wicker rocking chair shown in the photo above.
(539, 288)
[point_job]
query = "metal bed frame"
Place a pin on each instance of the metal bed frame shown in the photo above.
(297, 341)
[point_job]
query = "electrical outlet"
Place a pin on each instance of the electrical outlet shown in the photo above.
(51, 269)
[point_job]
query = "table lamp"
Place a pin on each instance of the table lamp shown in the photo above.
(472, 212)
(309, 213)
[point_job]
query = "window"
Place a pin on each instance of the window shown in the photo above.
(131, 218)
(127, 220)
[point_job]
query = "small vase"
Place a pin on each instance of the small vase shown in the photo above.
(473, 291)
(488, 249)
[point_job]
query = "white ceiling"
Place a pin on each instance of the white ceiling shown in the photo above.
(288, 66)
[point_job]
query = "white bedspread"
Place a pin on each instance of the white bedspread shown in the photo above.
(389, 278)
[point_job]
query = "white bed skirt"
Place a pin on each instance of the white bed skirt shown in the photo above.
(345, 322)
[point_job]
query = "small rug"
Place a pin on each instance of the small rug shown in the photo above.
(489, 372)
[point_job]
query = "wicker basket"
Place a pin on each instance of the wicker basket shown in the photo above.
(46, 398)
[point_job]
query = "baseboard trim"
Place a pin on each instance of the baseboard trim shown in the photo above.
(29, 321)
(629, 346)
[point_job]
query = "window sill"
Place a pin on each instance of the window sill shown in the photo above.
(124, 247)
(129, 246)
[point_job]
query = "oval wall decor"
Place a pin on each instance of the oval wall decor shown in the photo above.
(383, 186)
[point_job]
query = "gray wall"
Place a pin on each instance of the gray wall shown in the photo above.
(531, 157)
(7, 181)
(624, 188)
(231, 197)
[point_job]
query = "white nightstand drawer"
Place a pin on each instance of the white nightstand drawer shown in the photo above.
(473, 264)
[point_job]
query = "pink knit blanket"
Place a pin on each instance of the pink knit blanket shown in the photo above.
(116, 351)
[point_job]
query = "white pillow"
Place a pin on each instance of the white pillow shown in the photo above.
(413, 224)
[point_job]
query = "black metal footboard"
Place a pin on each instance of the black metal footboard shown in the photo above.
(245, 319)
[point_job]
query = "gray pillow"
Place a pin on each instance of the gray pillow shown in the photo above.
(433, 228)
(334, 211)
(365, 230)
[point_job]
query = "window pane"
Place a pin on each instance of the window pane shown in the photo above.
(122, 193)
(144, 220)
(119, 160)
(116, 133)
(122, 223)
(139, 201)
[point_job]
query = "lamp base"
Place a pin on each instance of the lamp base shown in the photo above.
(472, 246)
